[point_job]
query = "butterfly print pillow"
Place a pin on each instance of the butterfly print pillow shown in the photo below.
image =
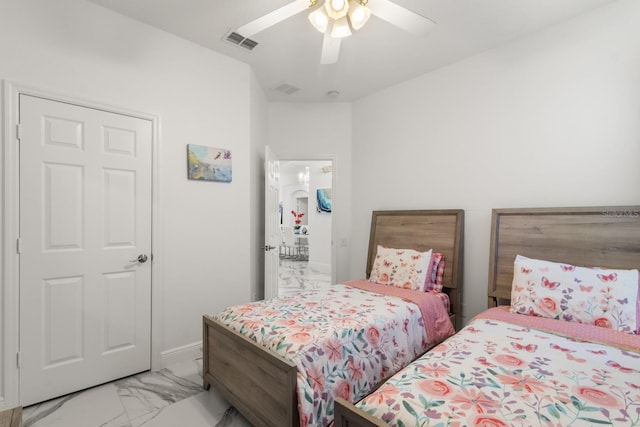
(596, 296)
(404, 268)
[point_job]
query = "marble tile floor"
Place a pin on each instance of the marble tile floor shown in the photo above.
(296, 275)
(168, 397)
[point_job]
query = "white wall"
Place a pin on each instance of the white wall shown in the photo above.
(321, 222)
(549, 120)
(80, 50)
(300, 131)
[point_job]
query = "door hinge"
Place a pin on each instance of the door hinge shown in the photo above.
(18, 131)
(18, 359)
(19, 245)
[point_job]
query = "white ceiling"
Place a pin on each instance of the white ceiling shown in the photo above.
(378, 56)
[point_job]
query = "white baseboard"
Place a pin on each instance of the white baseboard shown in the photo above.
(181, 354)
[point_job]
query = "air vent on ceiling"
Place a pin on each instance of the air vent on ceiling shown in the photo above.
(286, 88)
(240, 40)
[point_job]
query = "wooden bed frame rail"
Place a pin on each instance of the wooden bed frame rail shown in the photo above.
(346, 414)
(254, 380)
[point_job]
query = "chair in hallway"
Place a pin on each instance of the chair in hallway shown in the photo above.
(288, 248)
(302, 246)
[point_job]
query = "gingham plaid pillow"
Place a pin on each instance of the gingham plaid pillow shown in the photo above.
(435, 280)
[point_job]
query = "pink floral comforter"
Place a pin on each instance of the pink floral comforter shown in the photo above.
(344, 340)
(502, 370)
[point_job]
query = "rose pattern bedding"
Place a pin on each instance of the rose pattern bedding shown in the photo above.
(344, 340)
(501, 370)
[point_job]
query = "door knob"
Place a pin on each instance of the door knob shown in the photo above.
(269, 247)
(142, 258)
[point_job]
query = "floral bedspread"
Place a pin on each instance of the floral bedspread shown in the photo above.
(344, 340)
(501, 371)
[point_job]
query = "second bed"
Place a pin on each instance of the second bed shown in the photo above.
(563, 351)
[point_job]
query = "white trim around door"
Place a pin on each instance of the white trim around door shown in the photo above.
(9, 223)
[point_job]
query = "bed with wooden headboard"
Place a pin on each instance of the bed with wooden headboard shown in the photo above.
(598, 236)
(262, 384)
(440, 230)
(518, 366)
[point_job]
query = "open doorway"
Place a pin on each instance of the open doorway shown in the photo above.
(306, 224)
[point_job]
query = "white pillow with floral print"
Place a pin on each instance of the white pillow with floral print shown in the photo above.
(404, 268)
(596, 296)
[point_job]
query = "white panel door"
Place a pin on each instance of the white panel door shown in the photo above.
(272, 235)
(85, 247)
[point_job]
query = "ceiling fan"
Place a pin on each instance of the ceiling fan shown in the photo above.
(335, 19)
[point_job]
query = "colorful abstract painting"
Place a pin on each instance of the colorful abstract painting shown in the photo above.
(324, 199)
(208, 163)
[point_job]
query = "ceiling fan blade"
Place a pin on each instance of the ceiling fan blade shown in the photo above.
(330, 49)
(401, 17)
(273, 18)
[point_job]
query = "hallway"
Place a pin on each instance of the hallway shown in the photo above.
(297, 275)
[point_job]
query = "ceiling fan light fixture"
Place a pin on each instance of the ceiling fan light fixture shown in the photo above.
(341, 28)
(336, 9)
(359, 14)
(319, 20)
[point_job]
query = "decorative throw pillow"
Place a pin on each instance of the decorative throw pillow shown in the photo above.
(404, 268)
(435, 280)
(596, 296)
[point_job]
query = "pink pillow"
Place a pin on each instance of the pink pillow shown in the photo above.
(435, 280)
(596, 296)
(403, 268)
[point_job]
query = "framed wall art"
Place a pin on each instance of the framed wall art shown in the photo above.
(324, 199)
(208, 163)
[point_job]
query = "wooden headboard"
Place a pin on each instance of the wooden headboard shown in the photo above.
(605, 236)
(440, 230)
